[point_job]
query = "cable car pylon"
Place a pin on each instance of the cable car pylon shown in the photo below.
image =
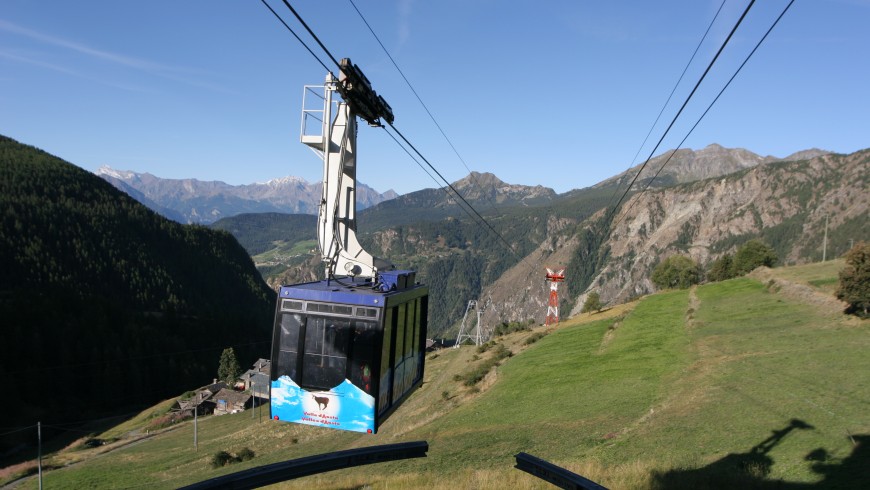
(554, 278)
(478, 337)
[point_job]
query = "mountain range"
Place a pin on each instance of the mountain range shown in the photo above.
(203, 202)
(706, 205)
(686, 165)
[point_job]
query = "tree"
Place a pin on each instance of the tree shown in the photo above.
(592, 303)
(721, 268)
(752, 254)
(677, 271)
(855, 280)
(229, 369)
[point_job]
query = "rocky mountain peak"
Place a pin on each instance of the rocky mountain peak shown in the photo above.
(485, 185)
(686, 165)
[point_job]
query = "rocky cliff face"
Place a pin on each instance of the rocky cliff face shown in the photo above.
(784, 203)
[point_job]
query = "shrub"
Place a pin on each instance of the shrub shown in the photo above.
(534, 338)
(221, 458)
(506, 328)
(855, 281)
(477, 373)
(677, 271)
(752, 254)
(721, 268)
(164, 421)
(592, 303)
(245, 454)
(501, 352)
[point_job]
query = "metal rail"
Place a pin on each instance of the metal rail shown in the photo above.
(310, 465)
(556, 475)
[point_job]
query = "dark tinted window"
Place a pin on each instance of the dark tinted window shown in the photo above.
(287, 364)
(386, 378)
(288, 304)
(290, 325)
(363, 346)
(328, 308)
(324, 363)
(288, 344)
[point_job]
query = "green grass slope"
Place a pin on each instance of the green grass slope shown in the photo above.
(730, 385)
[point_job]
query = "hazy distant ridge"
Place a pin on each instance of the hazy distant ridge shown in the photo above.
(197, 201)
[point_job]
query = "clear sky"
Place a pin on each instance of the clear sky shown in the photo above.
(556, 93)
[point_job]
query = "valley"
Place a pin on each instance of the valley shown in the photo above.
(732, 384)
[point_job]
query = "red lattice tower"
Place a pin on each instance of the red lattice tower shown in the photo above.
(554, 278)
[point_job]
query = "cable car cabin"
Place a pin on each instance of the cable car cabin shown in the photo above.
(345, 355)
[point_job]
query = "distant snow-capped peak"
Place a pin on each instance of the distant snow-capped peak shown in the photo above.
(290, 179)
(118, 174)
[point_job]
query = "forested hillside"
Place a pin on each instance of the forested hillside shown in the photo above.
(106, 304)
(458, 257)
(259, 232)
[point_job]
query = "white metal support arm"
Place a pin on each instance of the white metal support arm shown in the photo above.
(336, 225)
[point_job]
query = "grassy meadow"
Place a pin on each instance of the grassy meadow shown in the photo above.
(738, 384)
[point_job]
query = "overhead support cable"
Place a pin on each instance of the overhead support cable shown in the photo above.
(425, 107)
(296, 36)
(611, 213)
(632, 202)
(411, 155)
(313, 35)
(473, 213)
(479, 217)
(668, 101)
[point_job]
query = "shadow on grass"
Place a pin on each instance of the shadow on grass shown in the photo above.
(602, 310)
(751, 469)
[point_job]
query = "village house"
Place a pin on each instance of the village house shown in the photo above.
(201, 401)
(256, 379)
(229, 401)
(218, 398)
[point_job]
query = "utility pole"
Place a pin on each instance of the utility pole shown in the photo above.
(39, 451)
(195, 414)
(825, 242)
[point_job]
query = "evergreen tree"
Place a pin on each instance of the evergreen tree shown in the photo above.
(592, 303)
(677, 271)
(855, 280)
(721, 268)
(229, 369)
(752, 254)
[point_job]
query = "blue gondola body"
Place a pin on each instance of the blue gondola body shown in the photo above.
(346, 354)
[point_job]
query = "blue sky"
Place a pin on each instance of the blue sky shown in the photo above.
(556, 93)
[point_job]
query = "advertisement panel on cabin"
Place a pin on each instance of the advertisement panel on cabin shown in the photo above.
(344, 407)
